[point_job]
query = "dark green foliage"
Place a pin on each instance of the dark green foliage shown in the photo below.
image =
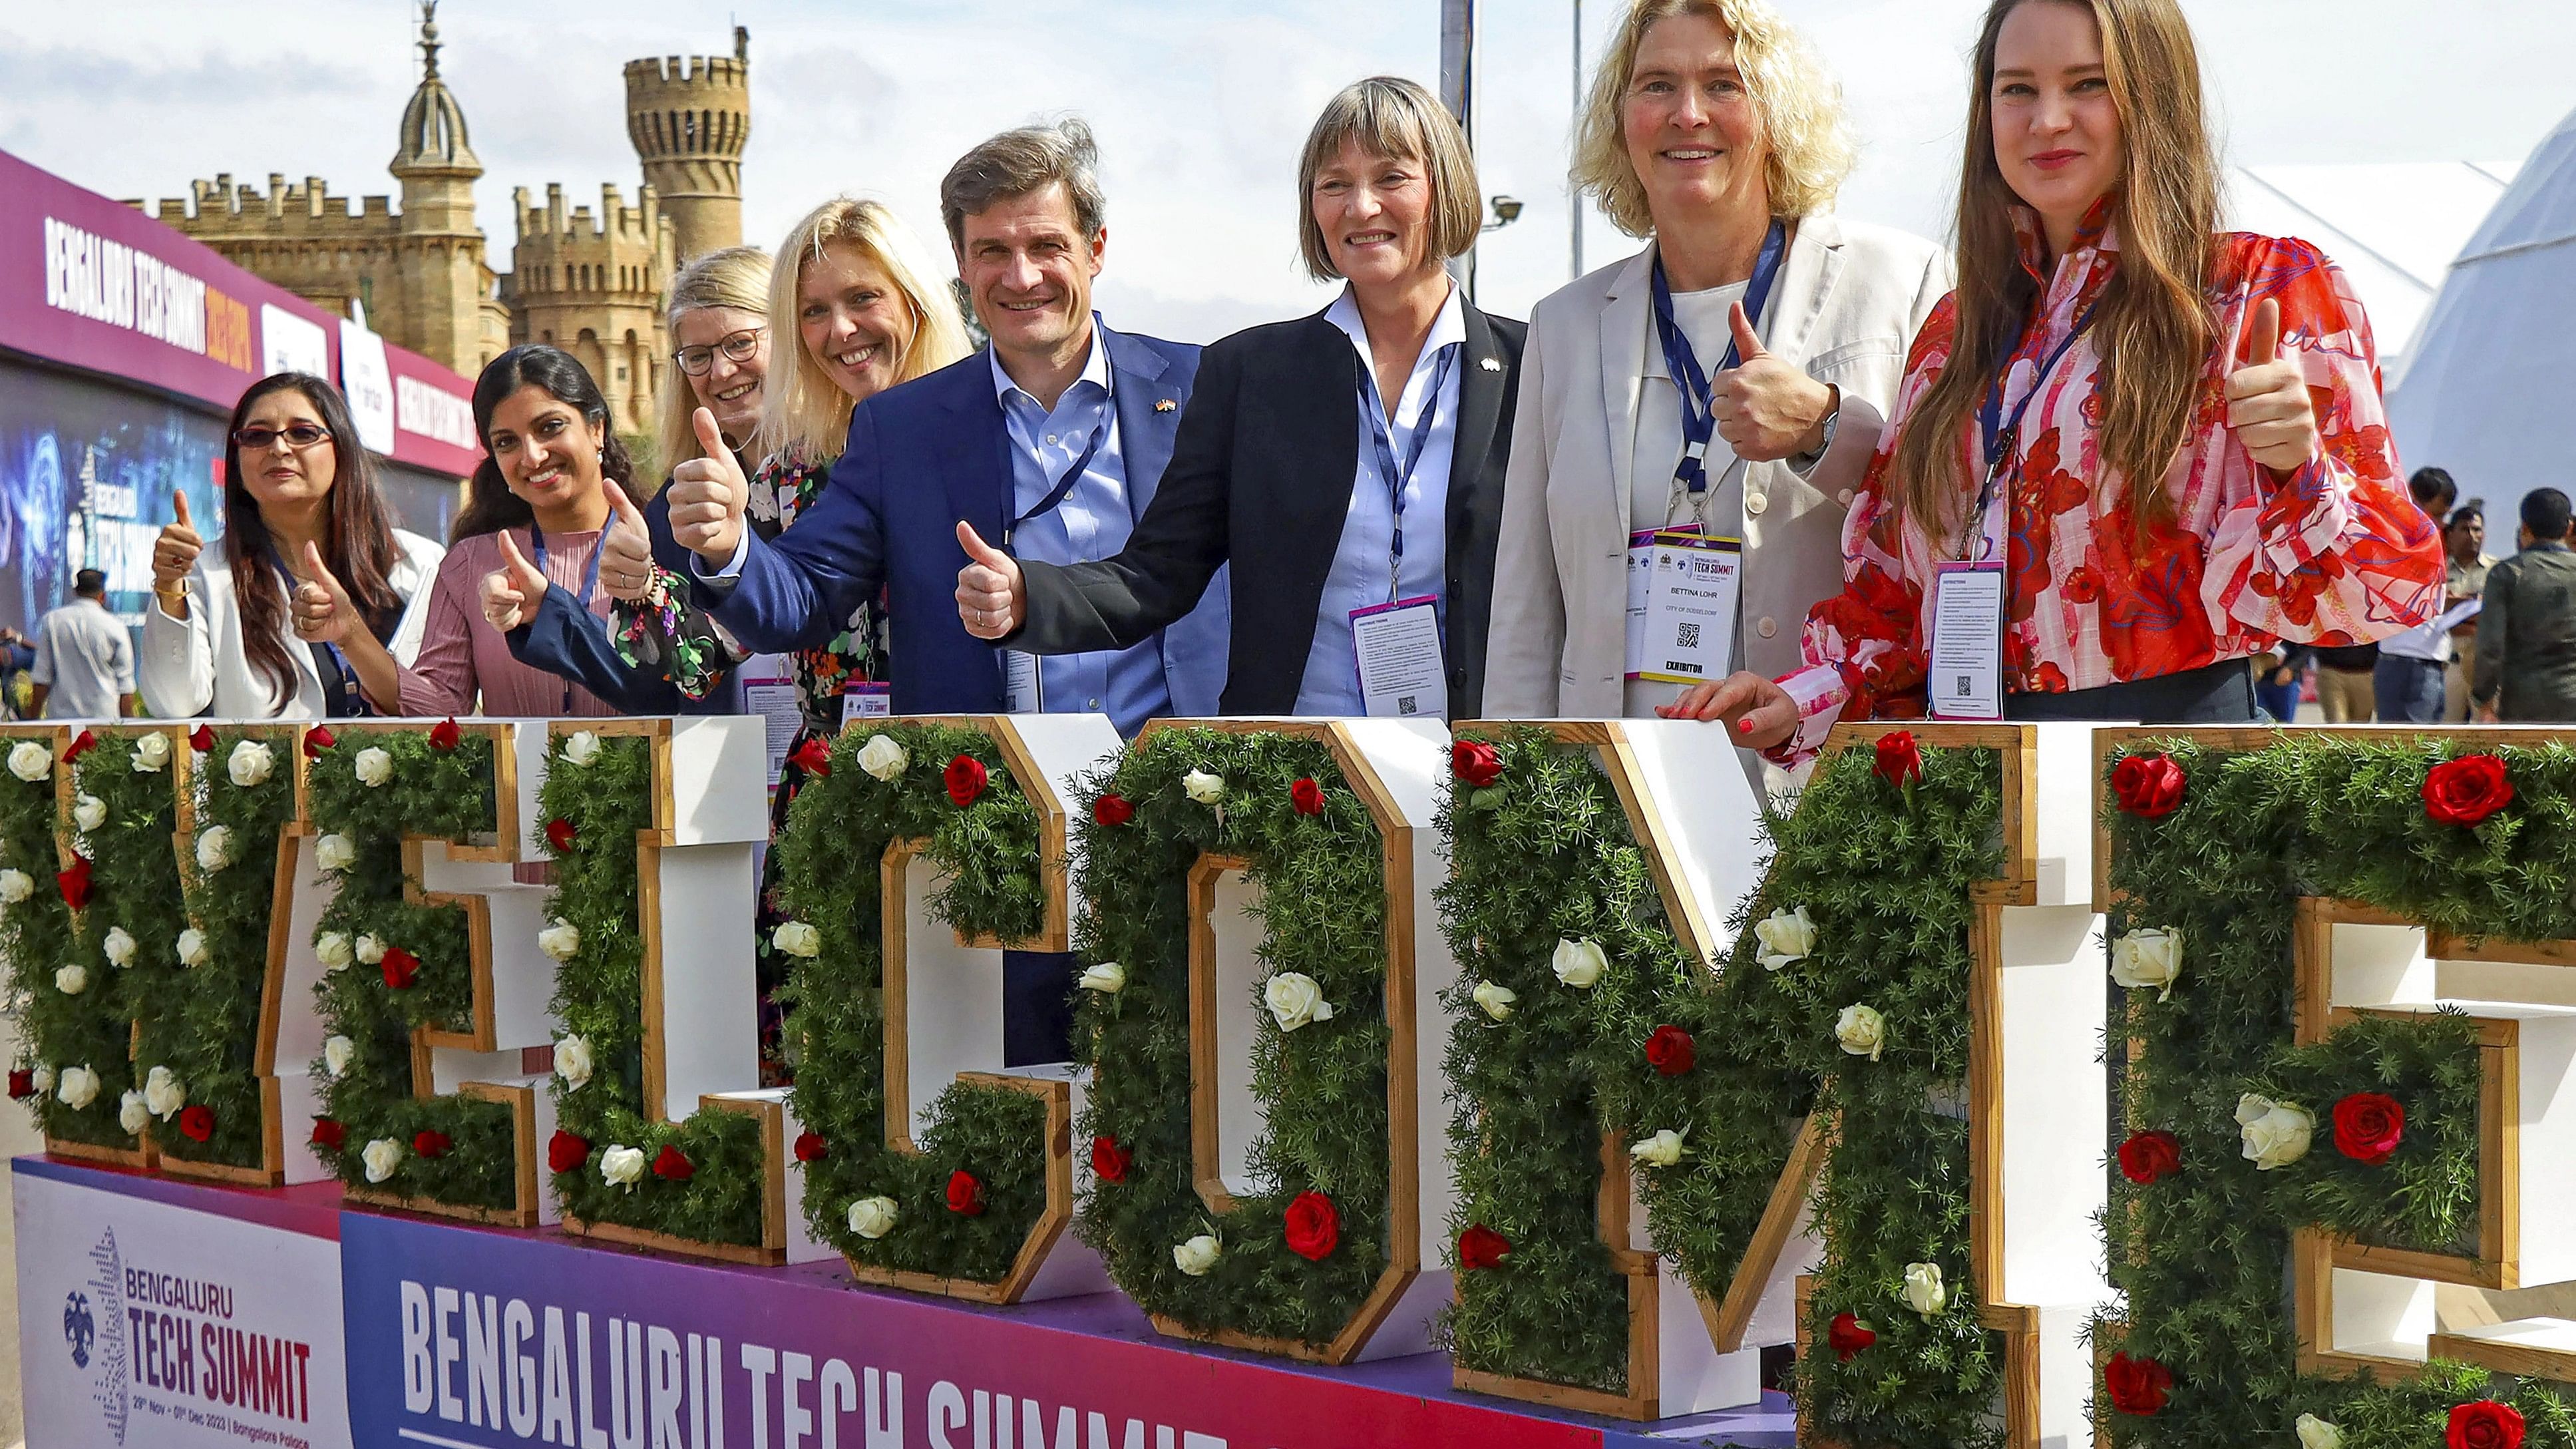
(93, 1028)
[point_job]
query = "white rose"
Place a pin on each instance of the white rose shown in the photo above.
(883, 758)
(15, 886)
(382, 1156)
(572, 1062)
(1206, 789)
(132, 1115)
(622, 1166)
(192, 947)
(1923, 1290)
(214, 848)
(1295, 1000)
(251, 764)
(562, 940)
(88, 812)
(164, 1093)
(2143, 960)
(1661, 1150)
(336, 1053)
(369, 950)
(152, 753)
(334, 852)
(1786, 936)
(331, 948)
(1108, 978)
(2316, 1433)
(2275, 1133)
(1861, 1030)
(78, 1087)
(1496, 1000)
(119, 947)
(797, 938)
(872, 1217)
(44, 1077)
(71, 980)
(1579, 963)
(1197, 1255)
(30, 761)
(580, 748)
(374, 766)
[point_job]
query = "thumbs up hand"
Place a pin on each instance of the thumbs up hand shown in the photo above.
(992, 598)
(708, 496)
(1767, 409)
(2268, 407)
(175, 551)
(323, 611)
(511, 593)
(625, 550)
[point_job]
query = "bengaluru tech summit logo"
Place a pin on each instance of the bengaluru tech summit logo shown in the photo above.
(94, 1331)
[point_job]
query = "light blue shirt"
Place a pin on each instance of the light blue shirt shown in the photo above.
(1092, 523)
(1360, 577)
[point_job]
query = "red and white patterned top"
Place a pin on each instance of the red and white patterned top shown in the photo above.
(2336, 553)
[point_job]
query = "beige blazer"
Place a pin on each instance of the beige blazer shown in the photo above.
(1848, 303)
(196, 665)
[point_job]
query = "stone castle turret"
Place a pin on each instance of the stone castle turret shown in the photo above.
(689, 118)
(592, 285)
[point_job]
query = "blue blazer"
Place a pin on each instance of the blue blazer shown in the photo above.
(920, 458)
(568, 640)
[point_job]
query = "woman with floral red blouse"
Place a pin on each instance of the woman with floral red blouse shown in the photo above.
(2131, 451)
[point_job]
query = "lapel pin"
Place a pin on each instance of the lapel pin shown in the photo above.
(1489, 364)
(1166, 405)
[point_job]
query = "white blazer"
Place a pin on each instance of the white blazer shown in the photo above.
(195, 665)
(1848, 303)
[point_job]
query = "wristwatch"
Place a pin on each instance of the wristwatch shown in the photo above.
(1805, 462)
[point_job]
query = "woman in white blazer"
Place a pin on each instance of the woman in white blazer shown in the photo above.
(1712, 131)
(299, 495)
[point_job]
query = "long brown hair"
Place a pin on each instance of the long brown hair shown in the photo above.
(357, 534)
(490, 506)
(2154, 326)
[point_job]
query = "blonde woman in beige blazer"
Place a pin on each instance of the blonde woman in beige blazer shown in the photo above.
(1708, 122)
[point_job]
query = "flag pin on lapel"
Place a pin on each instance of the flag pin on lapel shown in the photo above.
(1489, 364)
(1166, 405)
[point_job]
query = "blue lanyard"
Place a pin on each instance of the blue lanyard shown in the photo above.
(1398, 483)
(1699, 415)
(1064, 485)
(341, 698)
(1998, 433)
(589, 582)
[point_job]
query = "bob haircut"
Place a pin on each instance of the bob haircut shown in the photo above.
(735, 277)
(801, 408)
(1800, 104)
(1393, 117)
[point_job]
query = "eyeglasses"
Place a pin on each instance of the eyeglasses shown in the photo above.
(736, 346)
(298, 436)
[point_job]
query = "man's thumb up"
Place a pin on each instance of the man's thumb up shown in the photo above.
(991, 597)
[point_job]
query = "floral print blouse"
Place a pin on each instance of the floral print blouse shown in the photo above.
(2334, 553)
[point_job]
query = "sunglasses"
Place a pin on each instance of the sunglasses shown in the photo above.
(298, 436)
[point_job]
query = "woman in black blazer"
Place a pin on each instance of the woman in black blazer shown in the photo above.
(1283, 461)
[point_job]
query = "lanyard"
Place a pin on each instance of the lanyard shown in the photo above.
(1998, 433)
(341, 698)
(1699, 416)
(1399, 483)
(589, 583)
(1064, 485)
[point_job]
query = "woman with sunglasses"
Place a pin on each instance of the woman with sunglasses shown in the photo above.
(218, 638)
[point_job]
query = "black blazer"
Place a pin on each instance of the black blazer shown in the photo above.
(1261, 477)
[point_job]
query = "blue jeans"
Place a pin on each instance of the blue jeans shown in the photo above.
(2408, 691)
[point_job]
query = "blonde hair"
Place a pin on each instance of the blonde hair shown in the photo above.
(1396, 118)
(1800, 104)
(801, 408)
(736, 277)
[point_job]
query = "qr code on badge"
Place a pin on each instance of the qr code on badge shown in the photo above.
(1686, 635)
(1404, 704)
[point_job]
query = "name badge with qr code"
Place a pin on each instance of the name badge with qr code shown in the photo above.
(1689, 626)
(1397, 650)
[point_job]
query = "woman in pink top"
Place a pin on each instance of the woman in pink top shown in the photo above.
(553, 477)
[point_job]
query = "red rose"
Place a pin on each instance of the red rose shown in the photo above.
(202, 739)
(2485, 1424)
(2136, 1385)
(1314, 1229)
(566, 1152)
(1670, 1051)
(814, 756)
(965, 780)
(328, 1134)
(2148, 785)
(1307, 796)
(1845, 1336)
(810, 1147)
(446, 735)
(673, 1165)
(1482, 1247)
(965, 1194)
(81, 744)
(1900, 760)
(2147, 1156)
(1109, 1161)
(560, 834)
(1112, 810)
(2466, 790)
(2368, 1126)
(22, 1082)
(74, 882)
(401, 968)
(316, 740)
(1475, 762)
(431, 1144)
(198, 1122)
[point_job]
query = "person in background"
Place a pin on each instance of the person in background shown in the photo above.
(2466, 539)
(2526, 659)
(1309, 447)
(2106, 475)
(217, 639)
(2407, 680)
(2276, 681)
(84, 661)
(2346, 681)
(1713, 133)
(17, 676)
